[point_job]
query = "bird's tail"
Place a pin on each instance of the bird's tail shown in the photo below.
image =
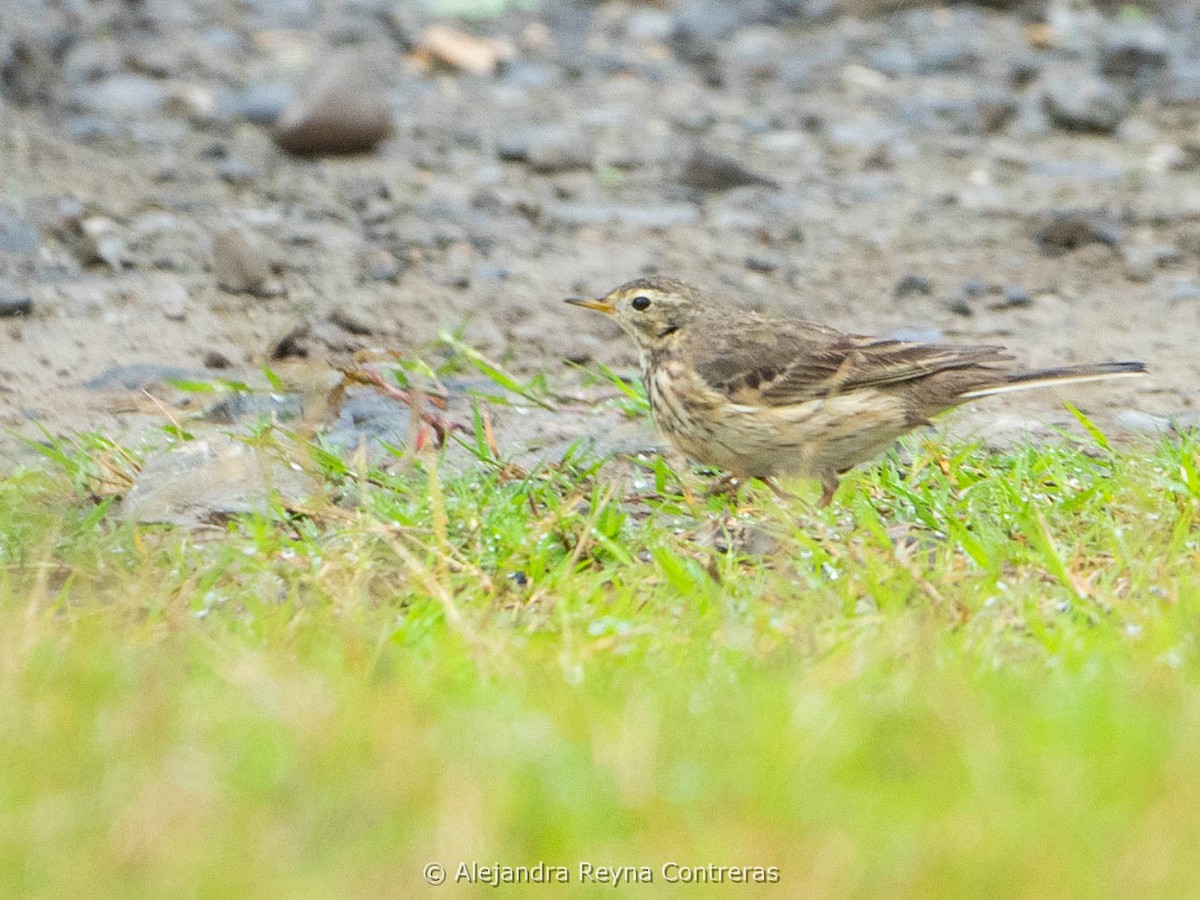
(1036, 378)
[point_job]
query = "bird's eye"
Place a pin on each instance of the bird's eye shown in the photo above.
(640, 303)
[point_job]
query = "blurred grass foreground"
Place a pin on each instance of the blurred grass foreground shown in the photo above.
(973, 675)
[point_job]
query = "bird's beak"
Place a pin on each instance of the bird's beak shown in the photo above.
(601, 305)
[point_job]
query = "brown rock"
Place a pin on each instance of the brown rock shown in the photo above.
(344, 110)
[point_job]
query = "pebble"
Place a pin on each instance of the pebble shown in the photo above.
(242, 265)
(172, 298)
(1136, 420)
(260, 104)
(122, 96)
(380, 265)
(1184, 289)
(912, 284)
(760, 263)
(1014, 295)
(1133, 49)
(236, 171)
(139, 376)
(205, 482)
(13, 301)
(548, 149)
(1084, 103)
(344, 110)
(17, 236)
(1064, 230)
(708, 171)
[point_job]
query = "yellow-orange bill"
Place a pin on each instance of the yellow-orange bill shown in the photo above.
(600, 305)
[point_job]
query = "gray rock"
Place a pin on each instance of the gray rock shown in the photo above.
(708, 171)
(122, 96)
(1133, 49)
(1014, 295)
(1184, 289)
(13, 301)
(1136, 420)
(656, 25)
(236, 170)
(243, 407)
(206, 482)
(1179, 85)
(894, 59)
(912, 284)
(139, 376)
(261, 104)
(1061, 231)
(17, 236)
(89, 129)
(974, 288)
(947, 50)
(557, 149)
(242, 264)
(345, 109)
(380, 265)
(1084, 103)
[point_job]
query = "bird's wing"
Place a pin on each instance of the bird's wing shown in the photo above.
(779, 363)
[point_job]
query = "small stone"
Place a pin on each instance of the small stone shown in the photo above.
(380, 265)
(960, 307)
(707, 171)
(236, 170)
(763, 263)
(1136, 420)
(1184, 289)
(14, 302)
(205, 482)
(122, 95)
(242, 265)
(1064, 230)
(1015, 296)
(1084, 104)
(139, 377)
(347, 321)
(215, 359)
(172, 299)
(1140, 262)
(1132, 49)
(345, 110)
(974, 288)
(260, 104)
(912, 284)
(557, 150)
(17, 236)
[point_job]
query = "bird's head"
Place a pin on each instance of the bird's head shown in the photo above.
(653, 310)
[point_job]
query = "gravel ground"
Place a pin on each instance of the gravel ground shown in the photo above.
(176, 202)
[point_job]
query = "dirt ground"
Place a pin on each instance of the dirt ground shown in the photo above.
(1026, 177)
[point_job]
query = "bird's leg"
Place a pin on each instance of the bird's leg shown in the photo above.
(829, 485)
(776, 489)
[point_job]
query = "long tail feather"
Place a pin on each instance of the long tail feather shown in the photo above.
(1037, 378)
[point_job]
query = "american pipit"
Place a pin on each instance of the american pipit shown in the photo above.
(762, 397)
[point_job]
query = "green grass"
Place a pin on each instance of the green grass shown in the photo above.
(973, 675)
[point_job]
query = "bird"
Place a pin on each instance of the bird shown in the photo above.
(762, 397)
